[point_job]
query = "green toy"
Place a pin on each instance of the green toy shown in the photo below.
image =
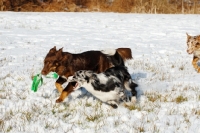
(52, 75)
(38, 80)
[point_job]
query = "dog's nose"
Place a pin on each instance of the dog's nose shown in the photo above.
(189, 52)
(43, 72)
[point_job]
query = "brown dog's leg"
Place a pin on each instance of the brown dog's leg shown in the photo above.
(195, 65)
(59, 87)
(69, 88)
(59, 83)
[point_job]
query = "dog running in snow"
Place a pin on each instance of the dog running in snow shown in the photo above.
(109, 86)
(65, 64)
(193, 47)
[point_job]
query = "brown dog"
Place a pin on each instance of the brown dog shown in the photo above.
(193, 43)
(65, 64)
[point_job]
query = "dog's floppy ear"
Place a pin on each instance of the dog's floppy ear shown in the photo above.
(198, 38)
(88, 73)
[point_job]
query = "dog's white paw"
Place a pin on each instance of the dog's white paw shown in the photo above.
(133, 99)
(131, 102)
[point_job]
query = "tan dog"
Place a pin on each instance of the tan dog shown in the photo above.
(193, 43)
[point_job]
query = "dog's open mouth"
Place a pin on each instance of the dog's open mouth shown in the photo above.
(76, 86)
(190, 52)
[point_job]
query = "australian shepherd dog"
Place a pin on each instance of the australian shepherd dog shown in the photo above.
(193, 47)
(65, 64)
(109, 86)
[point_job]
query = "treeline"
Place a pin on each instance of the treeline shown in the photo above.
(122, 6)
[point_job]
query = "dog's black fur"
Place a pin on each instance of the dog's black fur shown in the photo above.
(116, 59)
(108, 86)
(121, 72)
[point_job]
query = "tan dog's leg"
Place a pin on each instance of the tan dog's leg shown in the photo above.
(59, 83)
(59, 87)
(194, 63)
(69, 88)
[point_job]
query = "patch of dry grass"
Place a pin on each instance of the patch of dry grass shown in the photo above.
(123, 6)
(180, 99)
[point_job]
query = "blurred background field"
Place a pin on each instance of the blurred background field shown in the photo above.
(122, 6)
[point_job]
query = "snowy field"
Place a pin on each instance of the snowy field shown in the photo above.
(169, 91)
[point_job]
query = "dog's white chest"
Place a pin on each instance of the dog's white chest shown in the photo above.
(197, 53)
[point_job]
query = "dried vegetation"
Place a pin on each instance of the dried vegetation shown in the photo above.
(122, 6)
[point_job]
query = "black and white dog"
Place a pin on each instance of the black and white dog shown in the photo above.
(109, 86)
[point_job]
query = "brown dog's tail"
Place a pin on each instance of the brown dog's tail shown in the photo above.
(125, 53)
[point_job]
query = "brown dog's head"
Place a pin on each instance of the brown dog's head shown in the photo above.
(193, 43)
(55, 61)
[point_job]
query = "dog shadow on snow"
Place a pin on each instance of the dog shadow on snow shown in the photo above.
(135, 77)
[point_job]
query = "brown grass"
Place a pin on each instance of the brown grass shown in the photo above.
(122, 6)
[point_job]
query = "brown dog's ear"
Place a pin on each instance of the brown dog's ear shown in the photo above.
(198, 38)
(59, 54)
(188, 36)
(53, 50)
(61, 49)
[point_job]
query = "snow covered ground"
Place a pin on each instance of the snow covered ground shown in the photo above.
(169, 92)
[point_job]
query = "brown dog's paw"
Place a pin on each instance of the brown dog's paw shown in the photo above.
(59, 100)
(198, 70)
